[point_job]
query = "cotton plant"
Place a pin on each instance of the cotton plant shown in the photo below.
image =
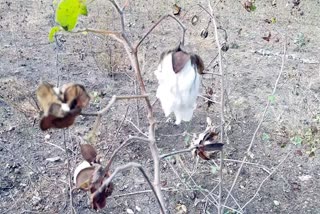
(179, 77)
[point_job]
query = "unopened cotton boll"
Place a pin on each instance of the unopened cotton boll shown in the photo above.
(179, 79)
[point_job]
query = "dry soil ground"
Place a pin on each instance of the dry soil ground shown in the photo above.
(31, 183)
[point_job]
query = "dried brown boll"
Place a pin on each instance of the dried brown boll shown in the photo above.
(61, 106)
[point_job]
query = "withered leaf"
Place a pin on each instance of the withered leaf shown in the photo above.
(88, 152)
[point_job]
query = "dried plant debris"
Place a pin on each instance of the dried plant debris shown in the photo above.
(176, 10)
(194, 20)
(178, 74)
(90, 176)
(61, 106)
(206, 144)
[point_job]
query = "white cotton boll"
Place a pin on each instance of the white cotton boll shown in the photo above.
(177, 92)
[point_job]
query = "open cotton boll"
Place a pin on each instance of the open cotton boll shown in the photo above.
(178, 90)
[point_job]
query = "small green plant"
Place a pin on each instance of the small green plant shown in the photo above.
(67, 14)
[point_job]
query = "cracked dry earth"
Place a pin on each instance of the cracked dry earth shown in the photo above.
(33, 165)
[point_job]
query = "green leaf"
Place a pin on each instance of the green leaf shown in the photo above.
(83, 10)
(273, 20)
(297, 140)
(68, 12)
(53, 32)
(271, 98)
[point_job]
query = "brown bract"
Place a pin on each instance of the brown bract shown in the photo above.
(90, 175)
(207, 145)
(88, 152)
(180, 59)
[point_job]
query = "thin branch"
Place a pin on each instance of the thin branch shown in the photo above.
(137, 128)
(120, 11)
(266, 169)
(116, 98)
(125, 143)
(105, 184)
(157, 23)
(98, 31)
(260, 122)
(177, 152)
(261, 184)
(132, 53)
(206, 98)
(121, 123)
(115, 35)
(221, 102)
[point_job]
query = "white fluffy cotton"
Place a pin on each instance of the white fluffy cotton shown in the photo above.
(177, 92)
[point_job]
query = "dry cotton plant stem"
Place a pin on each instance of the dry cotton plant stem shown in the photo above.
(132, 52)
(69, 172)
(221, 103)
(260, 122)
(125, 167)
(261, 184)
